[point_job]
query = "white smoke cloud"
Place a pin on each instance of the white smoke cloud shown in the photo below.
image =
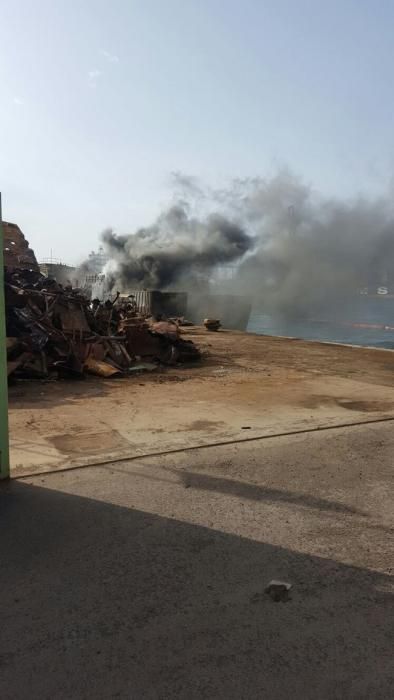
(111, 58)
(93, 76)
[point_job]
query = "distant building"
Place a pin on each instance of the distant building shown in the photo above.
(96, 261)
(55, 269)
(80, 276)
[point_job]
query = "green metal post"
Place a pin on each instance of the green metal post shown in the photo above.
(4, 445)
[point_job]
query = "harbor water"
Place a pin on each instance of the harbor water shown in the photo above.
(366, 322)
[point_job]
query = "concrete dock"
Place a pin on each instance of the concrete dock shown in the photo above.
(143, 575)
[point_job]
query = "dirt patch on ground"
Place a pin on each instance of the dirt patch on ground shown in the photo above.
(367, 406)
(205, 424)
(360, 405)
(75, 443)
(244, 384)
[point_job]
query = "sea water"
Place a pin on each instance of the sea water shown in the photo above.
(366, 322)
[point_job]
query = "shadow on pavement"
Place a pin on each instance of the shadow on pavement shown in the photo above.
(101, 601)
(255, 492)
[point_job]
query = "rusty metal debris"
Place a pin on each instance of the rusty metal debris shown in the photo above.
(17, 253)
(55, 331)
(279, 591)
(212, 324)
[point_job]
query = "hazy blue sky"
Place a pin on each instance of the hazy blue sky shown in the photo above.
(101, 100)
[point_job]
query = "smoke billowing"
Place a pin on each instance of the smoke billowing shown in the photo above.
(177, 248)
(295, 252)
(313, 254)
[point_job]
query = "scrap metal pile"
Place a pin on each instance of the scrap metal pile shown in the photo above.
(55, 331)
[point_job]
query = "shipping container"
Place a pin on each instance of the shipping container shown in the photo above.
(156, 303)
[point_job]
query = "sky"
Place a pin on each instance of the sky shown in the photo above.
(101, 101)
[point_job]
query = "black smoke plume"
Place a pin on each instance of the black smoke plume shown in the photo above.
(295, 252)
(176, 248)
